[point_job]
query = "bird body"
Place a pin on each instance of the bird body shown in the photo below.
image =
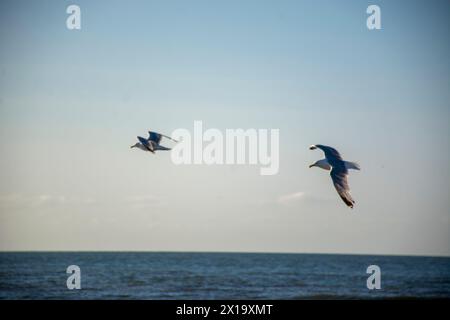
(339, 170)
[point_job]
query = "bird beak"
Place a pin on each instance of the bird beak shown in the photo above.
(311, 165)
(132, 147)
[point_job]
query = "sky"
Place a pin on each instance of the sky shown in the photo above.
(73, 101)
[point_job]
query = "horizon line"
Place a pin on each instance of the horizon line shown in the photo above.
(219, 252)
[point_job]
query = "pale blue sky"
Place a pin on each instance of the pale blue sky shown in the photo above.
(72, 102)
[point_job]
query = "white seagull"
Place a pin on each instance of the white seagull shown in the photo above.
(152, 143)
(339, 171)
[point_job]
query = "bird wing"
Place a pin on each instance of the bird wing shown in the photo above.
(339, 177)
(154, 136)
(146, 143)
(331, 154)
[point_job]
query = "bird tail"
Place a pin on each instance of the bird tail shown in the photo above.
(352, 165)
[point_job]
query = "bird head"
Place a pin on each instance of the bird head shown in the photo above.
(315, 164)
(323, 164)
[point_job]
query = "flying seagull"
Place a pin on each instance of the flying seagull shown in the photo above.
(152, 143)
(339, 171)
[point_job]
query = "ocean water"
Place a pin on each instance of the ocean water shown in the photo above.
(220, 276)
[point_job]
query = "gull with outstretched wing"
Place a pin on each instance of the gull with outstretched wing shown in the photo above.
(339, 171)
(152, 143)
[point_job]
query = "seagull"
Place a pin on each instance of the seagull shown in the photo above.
(152, 143)
(339, 171)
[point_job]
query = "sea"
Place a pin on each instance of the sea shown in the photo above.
(184, 275)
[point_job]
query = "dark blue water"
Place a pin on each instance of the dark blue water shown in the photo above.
(220, 276)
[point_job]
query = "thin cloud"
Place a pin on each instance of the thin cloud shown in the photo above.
(300, 196)
(290, 198)
(145, 201)
(40, 200)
